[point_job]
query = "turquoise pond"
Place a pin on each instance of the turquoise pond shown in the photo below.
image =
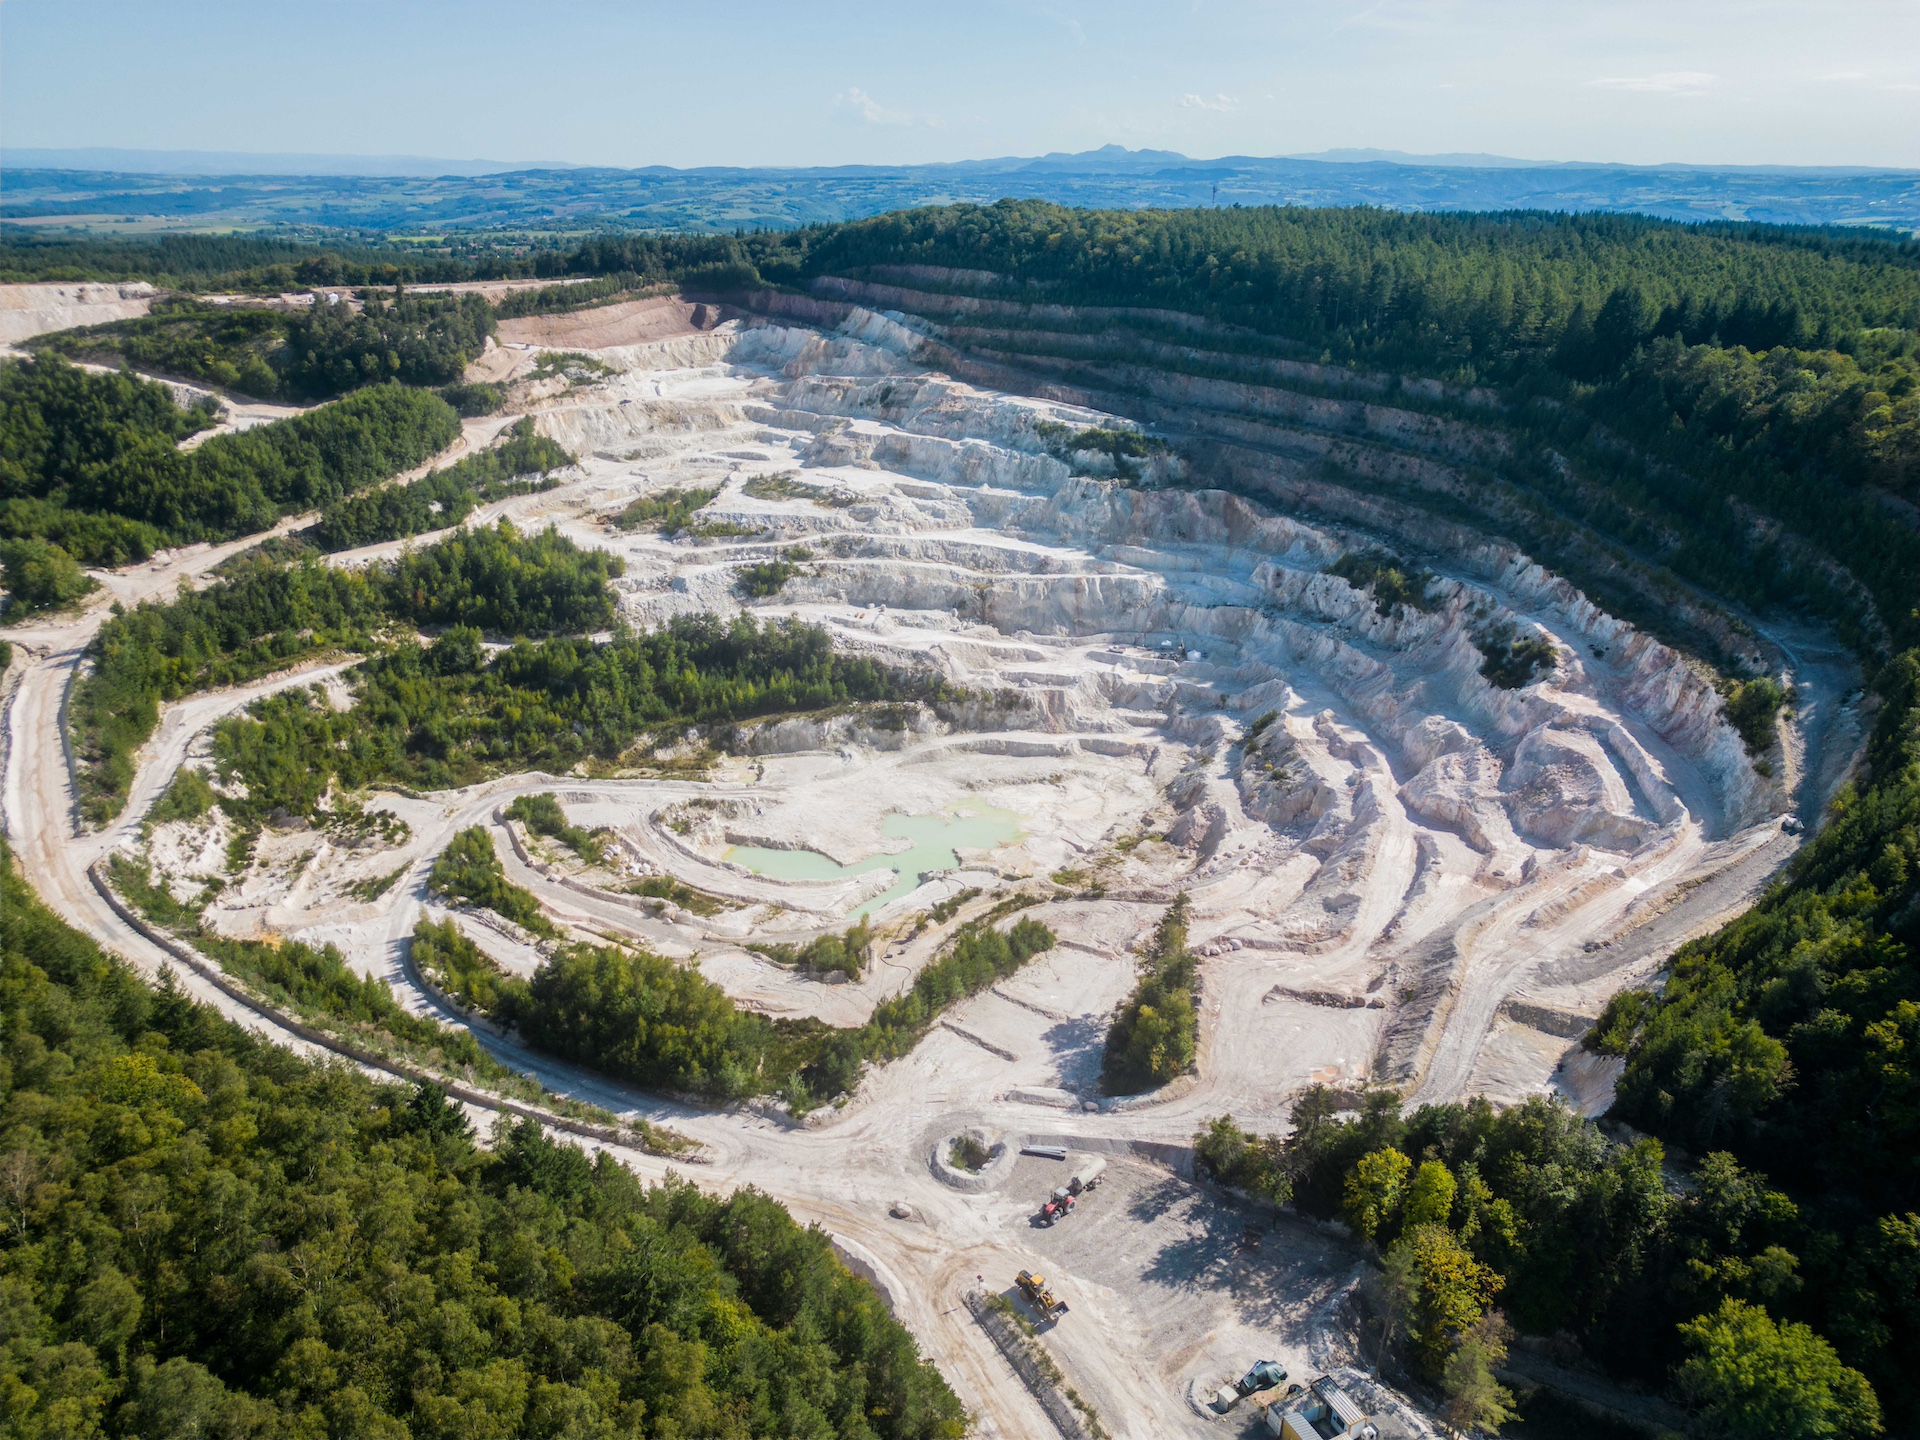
(934, 838)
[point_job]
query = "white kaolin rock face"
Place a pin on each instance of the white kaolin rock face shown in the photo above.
(1339, 789)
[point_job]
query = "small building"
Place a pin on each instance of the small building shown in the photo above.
(1322, 1411)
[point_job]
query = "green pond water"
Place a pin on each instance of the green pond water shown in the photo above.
(934, 839)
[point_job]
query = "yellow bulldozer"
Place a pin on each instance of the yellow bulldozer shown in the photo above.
(1034, 1287)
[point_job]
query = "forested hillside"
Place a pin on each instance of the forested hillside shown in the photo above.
(305, 354)
(91, 462)
(206, 1236)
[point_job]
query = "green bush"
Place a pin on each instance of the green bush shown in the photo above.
(1512, 660)
(40, 576)
(767, 578)
(472, 398)
(826, 953)
(187, 798)
(1753, 709)
(1392, 581)
(1242, 1159)
(448, 959)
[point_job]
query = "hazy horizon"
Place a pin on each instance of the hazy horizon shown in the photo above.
(596, 83)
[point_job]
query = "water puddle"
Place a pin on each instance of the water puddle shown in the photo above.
(934, 837)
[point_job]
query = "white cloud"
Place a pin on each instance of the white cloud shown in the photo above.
(1200, 102)
(1665, 82)
(870, 111)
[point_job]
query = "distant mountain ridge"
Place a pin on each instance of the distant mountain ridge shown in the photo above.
(1103, 160)
(54, 190)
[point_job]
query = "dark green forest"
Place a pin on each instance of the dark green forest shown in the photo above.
(206, 1235)
(518, 465)
(311, 353)
(640, 1017)
(1536, 1215)
(254, 264)
(264, 617)
(90, 462)
(1791, 1039)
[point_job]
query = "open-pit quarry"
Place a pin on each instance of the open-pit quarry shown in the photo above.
(1401, 874)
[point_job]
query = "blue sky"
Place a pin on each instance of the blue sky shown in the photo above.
(812, 82)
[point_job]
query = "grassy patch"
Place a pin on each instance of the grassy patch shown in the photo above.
(187, 798)
(670, 891)
(967, 1153)
(949, 907)
(134, 879)
(786, 487)
(572, 364)
(374, 887)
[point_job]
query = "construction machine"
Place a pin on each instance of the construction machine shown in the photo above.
(1034, 1287)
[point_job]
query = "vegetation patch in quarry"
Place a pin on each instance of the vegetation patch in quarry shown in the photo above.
(786, 487)
(442, 715)
(519, 465)
(847, 954)
(1393, 582)
(542, 815)
(766, 578)
(668, 511)
(1511, 659)
(468, 872)
(632, 1014)
(1753, 708)
(669, 891)
(1154, 1035)
(116, 488)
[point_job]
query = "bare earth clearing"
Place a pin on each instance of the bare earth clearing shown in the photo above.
(1409, 877)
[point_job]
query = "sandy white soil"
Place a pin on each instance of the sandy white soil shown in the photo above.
(1408, 877)
(29, 310)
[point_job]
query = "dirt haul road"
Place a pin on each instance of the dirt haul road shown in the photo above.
(1388, 858)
